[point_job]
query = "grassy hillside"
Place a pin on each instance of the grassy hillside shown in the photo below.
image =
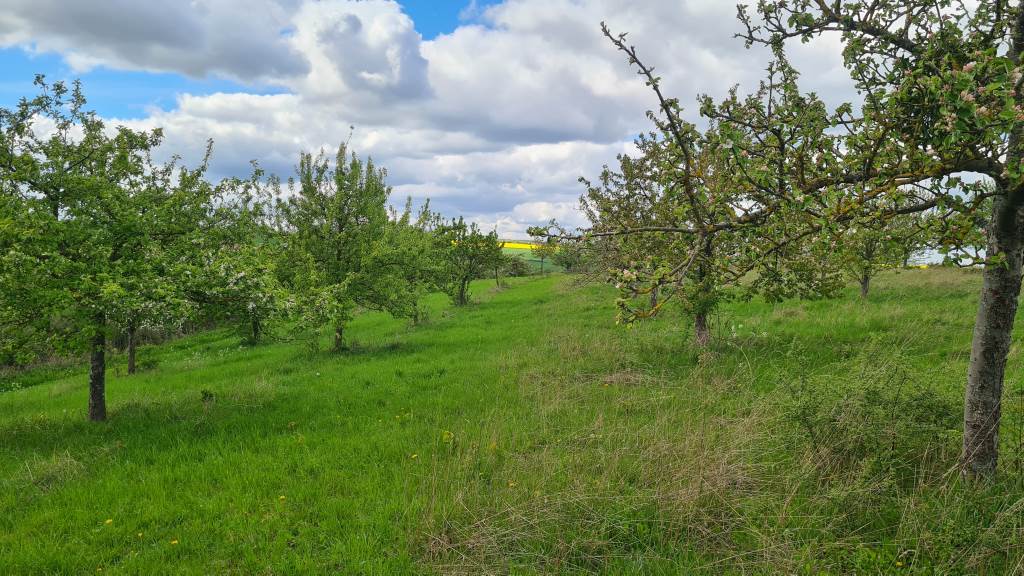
(527, 434)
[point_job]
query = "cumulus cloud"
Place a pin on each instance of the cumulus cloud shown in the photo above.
(364, 50)
(495, 120)
(243, 39)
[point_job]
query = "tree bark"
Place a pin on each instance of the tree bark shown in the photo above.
(131, 348)
(97, 377)
(339, 338)
(654, 298)
(256, 329)
(993, 329)
(865, 284)
(701, 331)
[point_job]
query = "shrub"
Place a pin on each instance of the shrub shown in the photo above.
(515, 266)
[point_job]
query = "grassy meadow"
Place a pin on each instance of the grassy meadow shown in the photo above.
(527, 434)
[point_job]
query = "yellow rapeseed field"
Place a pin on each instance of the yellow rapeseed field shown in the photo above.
(517, 245)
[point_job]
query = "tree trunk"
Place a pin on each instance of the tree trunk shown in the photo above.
(865, 284)
(97, 377)
(131, 348)
(256, 329)
(339, 338)
(993, 329)
(462, 298)
(654, 298)
(701, 331)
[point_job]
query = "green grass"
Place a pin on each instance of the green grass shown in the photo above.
(527, 434)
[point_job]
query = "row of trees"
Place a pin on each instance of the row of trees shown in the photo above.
(776, 186)
(97, 238)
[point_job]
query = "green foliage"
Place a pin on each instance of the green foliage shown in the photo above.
(695, 215)
(514, 266)
(343, 252)
(545, 251)
(412, 248)
(93, 231)
(863, 252)
(465, 254)
(232, 273)
(941, 97)
(570, 256)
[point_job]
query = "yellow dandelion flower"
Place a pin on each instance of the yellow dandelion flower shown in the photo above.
(174, 542)
(108, 521)
(414, 456)
(140, 534)
(511, 484)
(281, 498)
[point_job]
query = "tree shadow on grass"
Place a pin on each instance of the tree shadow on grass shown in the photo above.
(136, 429)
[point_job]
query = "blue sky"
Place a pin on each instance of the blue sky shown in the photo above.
(111, 93)
(434, 17)
(131, 94)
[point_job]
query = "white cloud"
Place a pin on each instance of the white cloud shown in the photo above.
(369, 51)
(495, 120)
(243, 39)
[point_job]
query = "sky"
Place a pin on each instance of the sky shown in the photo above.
(492, 109)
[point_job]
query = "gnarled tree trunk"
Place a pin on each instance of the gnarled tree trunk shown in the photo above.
(993, 329)
(97, 377)
(865, 284)
(992, 332)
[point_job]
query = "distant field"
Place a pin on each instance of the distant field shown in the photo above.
(512, 245)
(527, 434)
(524, 251)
